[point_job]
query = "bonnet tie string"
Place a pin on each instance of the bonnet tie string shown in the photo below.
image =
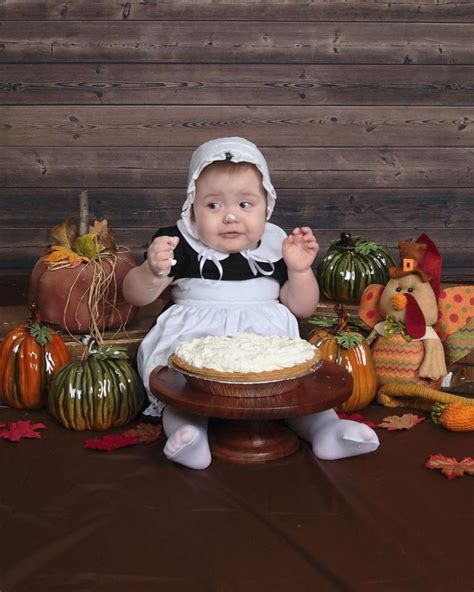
(209, 255)
(255, 267)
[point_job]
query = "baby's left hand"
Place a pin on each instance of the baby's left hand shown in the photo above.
(300, 249)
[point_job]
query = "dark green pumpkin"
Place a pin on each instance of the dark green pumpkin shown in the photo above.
(350, 265)
(97, 393)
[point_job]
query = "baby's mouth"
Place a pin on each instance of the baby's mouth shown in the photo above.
(230, 234)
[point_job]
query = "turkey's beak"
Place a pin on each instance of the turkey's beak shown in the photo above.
(399, 302)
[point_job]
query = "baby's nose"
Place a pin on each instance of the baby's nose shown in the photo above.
(229, 219)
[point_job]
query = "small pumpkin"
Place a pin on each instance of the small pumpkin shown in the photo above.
(338, 343)
(97, 393)
(350, 265)
(30, 356)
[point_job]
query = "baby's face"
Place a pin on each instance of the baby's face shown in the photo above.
(230, 209)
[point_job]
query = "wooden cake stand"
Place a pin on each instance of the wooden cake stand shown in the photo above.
(246, 430)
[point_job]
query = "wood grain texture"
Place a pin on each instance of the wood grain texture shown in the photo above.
(264, 10)
(206, 43)
(312, 168)
(235, 84)
(251, 441)
(364, 111)
(21, 248)
(448, 208)
(269, 126)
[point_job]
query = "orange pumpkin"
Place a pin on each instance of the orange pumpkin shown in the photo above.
(350, 350)
(30, 356)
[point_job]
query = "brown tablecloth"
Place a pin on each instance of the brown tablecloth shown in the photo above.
(73, 519)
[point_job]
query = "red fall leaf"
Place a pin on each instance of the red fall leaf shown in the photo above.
(17, 430)
(357, 417)
(111, 442)
(451, 467)
(400, 422)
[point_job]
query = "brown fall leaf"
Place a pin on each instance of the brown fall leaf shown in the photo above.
(400, 422)
(145, 432)
(100, 227)
(65, 233)
(105, 235)
(450, 467)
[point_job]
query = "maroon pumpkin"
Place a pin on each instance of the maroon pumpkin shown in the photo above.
(62, 295)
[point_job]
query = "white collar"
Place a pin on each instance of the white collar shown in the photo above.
(269, 249)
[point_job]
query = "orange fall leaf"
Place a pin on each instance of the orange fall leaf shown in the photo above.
(400, 422)
(450, 467)
(59, 253)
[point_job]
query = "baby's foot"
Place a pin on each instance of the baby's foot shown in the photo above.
(188, 446)
(342, 438)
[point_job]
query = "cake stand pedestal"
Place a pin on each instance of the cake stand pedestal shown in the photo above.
(247, 430)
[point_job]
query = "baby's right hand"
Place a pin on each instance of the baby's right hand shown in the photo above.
(160, 255)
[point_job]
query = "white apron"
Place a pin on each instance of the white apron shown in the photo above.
(216, 308)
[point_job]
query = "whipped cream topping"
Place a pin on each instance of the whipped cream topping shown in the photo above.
(245, 352)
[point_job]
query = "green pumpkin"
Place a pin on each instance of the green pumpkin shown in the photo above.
(350, 265)
(97, 393)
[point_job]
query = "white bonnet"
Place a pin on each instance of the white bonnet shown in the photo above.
(234, 149)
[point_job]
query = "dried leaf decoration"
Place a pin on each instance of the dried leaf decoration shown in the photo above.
(60, 254)
(104, 235)
(88, 245)
(450, 467)
(65, 233)
(400, 422)
(21, 429)
(100, 227)
(70, 249)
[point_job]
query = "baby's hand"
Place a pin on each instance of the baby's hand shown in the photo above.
(160, 255)
(300, 249)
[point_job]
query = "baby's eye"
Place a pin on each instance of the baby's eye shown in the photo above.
(245, 204)
(214, 205)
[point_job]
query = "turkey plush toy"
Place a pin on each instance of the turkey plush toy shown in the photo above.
(411, 317)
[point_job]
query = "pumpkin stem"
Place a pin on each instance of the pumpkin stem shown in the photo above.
(347, 240)
(438, 409)
(40, 332)
(83, 213)
(35, 314)
(342, 318)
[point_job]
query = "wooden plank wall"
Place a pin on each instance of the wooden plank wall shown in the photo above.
(364, 109)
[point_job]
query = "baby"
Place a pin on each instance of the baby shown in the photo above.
(231, 270)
